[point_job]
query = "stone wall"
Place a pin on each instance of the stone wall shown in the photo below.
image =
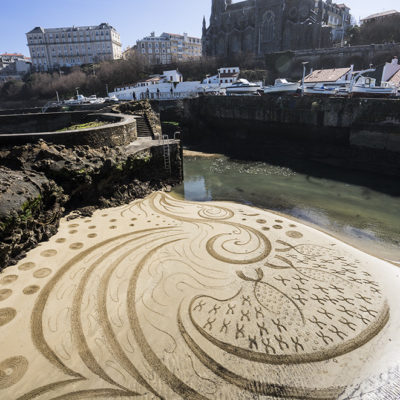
(288, 64)
(29, 128)
(351, 133)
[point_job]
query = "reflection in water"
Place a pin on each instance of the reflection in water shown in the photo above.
(365, 218)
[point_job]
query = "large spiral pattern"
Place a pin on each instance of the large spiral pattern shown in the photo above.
(170, 299)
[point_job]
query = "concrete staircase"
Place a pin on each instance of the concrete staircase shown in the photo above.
(143, 127)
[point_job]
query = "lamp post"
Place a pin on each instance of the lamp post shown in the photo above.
(304, 76)
(77, 91)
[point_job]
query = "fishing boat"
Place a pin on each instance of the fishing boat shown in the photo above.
(366, 87)
(243, 87)
(282, 86)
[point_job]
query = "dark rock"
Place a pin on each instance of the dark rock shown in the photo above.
(29, 210)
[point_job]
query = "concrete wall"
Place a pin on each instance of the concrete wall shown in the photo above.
(288, 64)
(120, 131)
(354, 133)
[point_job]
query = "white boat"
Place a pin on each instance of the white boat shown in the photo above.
(243, 87)
(112, 98)
(282, 86)
(212, 91)
(321, 89)
(365, 86)
(94, 100)
(79, 100)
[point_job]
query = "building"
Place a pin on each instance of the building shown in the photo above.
(379, 16)
(67, 47)
(391, 72)
(129, 52)
(14, 66)
(173, 76)
(225, 75)
(327, 77)
(169, 47)
(337, 17)
(260, 27)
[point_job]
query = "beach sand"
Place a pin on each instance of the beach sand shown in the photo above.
(171, 299)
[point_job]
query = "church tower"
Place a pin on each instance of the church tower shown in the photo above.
(217, 8)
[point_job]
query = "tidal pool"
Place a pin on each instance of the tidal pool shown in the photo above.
(366, 218)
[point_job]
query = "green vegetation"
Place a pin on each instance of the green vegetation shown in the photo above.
(171, 123)
(28, 210)
(87, 125)
(30, 207)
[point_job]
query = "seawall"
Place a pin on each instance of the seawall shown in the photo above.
(362, 134)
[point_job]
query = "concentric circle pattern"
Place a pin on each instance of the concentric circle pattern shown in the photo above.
(170, 299)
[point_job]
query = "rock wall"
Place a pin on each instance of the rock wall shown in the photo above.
(361, 134)
(30, 207)
(20, 129)
(38, 181)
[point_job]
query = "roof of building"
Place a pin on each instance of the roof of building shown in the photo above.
(327, 75)
(381, 14)
(12, 55)
(395, 79)
(166, 36)
(103, 25)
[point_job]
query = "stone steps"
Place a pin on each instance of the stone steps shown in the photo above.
(143, 127)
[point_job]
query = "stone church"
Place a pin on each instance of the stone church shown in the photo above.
(259, 27)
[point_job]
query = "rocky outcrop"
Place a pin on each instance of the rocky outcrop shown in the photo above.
(38, 180)
(30, 208)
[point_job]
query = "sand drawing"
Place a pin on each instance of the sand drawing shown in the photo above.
(168, 299)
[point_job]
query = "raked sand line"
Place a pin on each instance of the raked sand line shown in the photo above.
(171, 299)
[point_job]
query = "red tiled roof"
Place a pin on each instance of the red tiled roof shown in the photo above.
(12, 55)
(395, 79)
(381, 14)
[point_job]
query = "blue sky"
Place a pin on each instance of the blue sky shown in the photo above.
(132, 18)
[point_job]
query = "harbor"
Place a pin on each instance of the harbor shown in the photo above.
(205, 215)
(382, 81)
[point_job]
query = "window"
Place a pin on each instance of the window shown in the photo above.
(269, 26)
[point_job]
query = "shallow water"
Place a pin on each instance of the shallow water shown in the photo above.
(365, 218)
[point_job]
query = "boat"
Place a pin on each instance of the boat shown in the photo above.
(321, 89)
(112, 99)
(365, 86)
(243, 87)
(282, 86)
(80, 99)
(212, 91)
(94, 100)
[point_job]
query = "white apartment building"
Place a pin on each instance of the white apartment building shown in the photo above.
(13, 66)
(67, 47)
(226, 75)
(169, 47)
